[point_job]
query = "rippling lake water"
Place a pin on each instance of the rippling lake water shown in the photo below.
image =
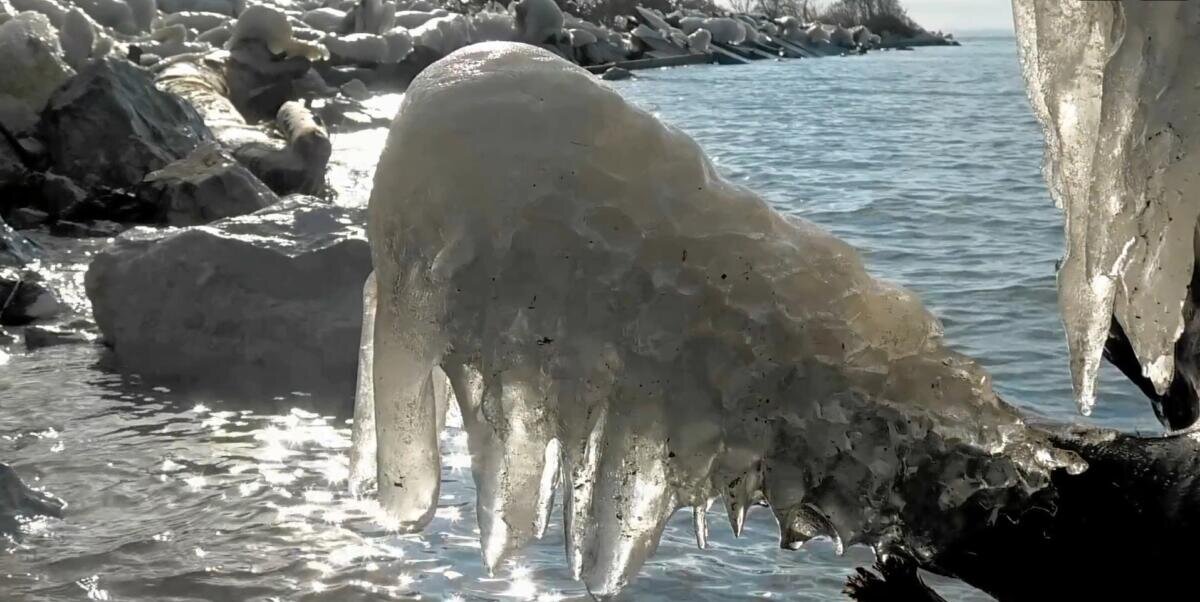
(928, 161)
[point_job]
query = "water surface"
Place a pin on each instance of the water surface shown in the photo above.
(928, 161)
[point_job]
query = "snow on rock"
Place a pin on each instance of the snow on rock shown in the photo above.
(34, 66)
(488, 26)
(443, 35)
(537, 20)
(110, 126)
(699, 40)
(725, 30)
(1111, 82)
(399, 42)
(226, 7)
(325, 19)
(270, 26)
(358, 48)
(665, 334)
(269, 301)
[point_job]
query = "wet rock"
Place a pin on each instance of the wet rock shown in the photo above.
(39, 337)
(299, 167)
(207, 185)
(25, 299)
(24, 218)
(15, 250)
(19, 500)
(267, 301)
(12, 166)
(616, 73)
(57, 195)
(110, 126)
(95, 229)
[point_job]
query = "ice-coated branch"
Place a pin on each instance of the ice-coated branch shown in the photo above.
(1113, 84)
(590, 284)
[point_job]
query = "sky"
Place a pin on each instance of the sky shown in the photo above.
(961, 15)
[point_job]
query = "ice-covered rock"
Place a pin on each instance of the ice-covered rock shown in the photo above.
(34, 66)
(325, 19)
(269, 301)
(699, 40)
(399, 42)
(443, 35)
(226, 7)
(410, 19)
(358, 48)
(110, 126)
(51, 9)
(270, 26)
(196, 20)
(493, 27)
(205, 186)
(725, 30)
(300, 165)
(1112, 83)
(647, 333)
(537, 20)
(78, 37)
(110, 13)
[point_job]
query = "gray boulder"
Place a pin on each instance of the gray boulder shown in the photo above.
(206, 186)
(15, 250)
(109, 126)
(270, 301)
(25, 299)
(18, 500)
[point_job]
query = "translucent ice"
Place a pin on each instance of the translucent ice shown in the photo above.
(594, 288)
(1114, 86)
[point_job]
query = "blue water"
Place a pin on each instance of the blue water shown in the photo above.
(928, 161)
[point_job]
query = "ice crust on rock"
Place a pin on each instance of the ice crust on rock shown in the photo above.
(668, 333)
(1121, 141)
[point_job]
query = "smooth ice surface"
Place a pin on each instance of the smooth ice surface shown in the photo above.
(675, 336)
(1114, 86)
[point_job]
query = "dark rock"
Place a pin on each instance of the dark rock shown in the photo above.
(205, 308)
(25, 218)
(616, 73)
(12, 164)
(260, 82)
(38, 337)
(25, 299)
(96, 229)
(206, 186)
(110, 126)
(19, 500)
(57, 195)
(15, 250)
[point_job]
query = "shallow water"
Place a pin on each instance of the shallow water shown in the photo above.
(928, 161)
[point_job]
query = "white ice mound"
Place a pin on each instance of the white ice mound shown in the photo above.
(31, 68)
(643, 331)
(1121, 161)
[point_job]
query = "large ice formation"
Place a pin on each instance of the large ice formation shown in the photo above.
(644, 332)
(1111, 83)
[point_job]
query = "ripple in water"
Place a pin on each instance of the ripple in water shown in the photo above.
(928, 161)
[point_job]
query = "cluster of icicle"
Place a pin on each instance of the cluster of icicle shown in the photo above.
(617, 319)
(1105, 78)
